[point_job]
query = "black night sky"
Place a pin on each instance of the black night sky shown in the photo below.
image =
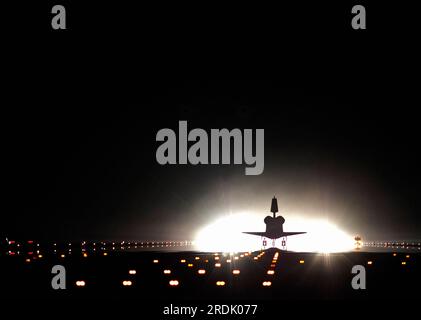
(80, 111)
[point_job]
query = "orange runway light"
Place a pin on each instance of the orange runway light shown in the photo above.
(220, 283)
(236, 271)
(301, 261)
(183, 260)
(190, 265)
(80, 283)
(174, 283)
(403, 263)
(85, 255)
(267, 283)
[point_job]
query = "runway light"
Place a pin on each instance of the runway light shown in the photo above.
(174, 283)
(235, 258)
(183, 261)
(228, 260)
(80, 283)
(201, 271)
(272, 265)
(267, 283)
(220, 283)
(127, 283)
(28, 260)
(255, 258)
(236, 271)
(132, 271)
(403, 263)
(85, 255)
(217, 265)
(167, 271)
(105, 254)
(394, 254)
(62, 256)
(190, 265)
(271, 272)
(196, 258)
(216, 258)
(301, 261)
(370, 262)
(407, 256)
(155, 261)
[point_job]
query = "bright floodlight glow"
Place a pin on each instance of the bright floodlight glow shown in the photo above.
(226, 235)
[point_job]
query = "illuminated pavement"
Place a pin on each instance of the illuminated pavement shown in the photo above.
(154, 271)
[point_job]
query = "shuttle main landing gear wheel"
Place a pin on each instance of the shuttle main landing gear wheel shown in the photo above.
(284, 243)
(264, 243)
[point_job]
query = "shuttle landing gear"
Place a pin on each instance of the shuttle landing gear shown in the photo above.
(264, 243)
(284, 243)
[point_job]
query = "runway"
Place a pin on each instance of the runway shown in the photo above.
(170, 273)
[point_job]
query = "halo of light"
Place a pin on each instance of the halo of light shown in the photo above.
(226, 235)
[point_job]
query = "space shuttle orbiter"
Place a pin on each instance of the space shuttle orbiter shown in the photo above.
(274, 225)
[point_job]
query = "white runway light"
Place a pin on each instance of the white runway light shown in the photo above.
(225, 234)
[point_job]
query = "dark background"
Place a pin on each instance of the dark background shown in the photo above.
(81, 108)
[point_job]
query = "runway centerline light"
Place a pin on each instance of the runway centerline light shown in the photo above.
(156, 261)
(201, 271)
(190, 265)
(174, 283)
(217, 265)
(220, 283)
(403, 263)
(167, 271)
(183, 260)
(127, 283)
(301, 261)
(271, 272)
(370, 263)
(236, 271)
(132, 271)
(267, 283)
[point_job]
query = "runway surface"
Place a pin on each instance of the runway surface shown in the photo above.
(168, 273)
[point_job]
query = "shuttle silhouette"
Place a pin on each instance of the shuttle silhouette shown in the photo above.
(274, 225)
